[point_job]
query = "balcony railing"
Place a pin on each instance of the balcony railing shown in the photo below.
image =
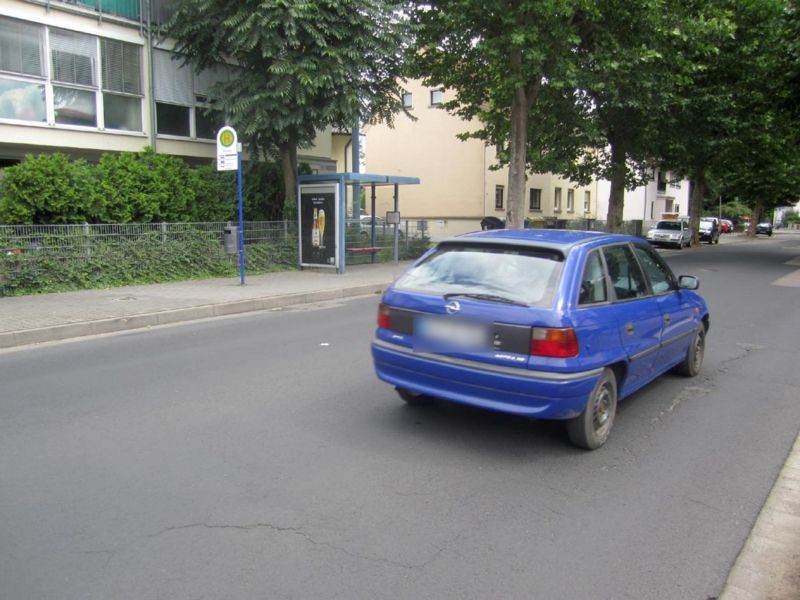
(130, 9)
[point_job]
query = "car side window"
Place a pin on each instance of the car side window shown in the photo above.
(660, 275)
(593, 283)
(626, 276)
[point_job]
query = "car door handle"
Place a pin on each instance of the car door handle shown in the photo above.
(629, 328)
(667, 319)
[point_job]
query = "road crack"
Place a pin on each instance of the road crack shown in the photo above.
(747, 349)
(311, 540)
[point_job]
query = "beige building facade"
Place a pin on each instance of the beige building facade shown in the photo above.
(458, 186)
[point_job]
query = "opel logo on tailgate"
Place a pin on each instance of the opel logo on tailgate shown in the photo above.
(452, 307)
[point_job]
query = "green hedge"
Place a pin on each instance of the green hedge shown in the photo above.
(141, 187)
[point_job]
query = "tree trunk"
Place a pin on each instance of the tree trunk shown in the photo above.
(518, 147)
(755, 217)
(288, 152)
(696, 203)
(616, 196)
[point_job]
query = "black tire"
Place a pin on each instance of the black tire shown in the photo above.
(693, 362)
(414, 399)
(591, 428)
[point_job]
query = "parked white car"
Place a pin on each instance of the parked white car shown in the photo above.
(671, 233)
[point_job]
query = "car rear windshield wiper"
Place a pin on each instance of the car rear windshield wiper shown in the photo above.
(487, 297)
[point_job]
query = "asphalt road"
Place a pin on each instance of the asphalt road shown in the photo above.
(258, 457)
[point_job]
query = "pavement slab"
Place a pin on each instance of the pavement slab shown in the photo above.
(49, 317)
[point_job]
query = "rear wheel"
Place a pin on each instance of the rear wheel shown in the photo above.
(591, 428)
(691, 365)
(412, 398)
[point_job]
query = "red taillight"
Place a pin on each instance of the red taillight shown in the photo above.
(384, 317)
(556, 343)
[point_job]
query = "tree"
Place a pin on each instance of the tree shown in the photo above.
(731, 126)
(496, 56)
(630, 64)
(300, 66)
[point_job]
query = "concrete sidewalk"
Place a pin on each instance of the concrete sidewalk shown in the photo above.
(768, 566)
(50, 317)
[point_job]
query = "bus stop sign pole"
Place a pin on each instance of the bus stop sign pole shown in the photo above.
(229, 158)
(241, 211)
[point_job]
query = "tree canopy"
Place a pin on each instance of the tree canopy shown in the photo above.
(728, 131)
(300, 66)
(609, 88)
(495, 56)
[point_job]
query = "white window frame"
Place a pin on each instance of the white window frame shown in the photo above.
(94, 89)
(40, 80)
(97, 88)
(121, 93)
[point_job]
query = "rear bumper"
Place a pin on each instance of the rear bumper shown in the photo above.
(512, 390)
(676, 243)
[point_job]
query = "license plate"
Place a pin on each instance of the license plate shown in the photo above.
(441, 334)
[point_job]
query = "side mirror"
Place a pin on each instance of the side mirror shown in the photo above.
(688, 282)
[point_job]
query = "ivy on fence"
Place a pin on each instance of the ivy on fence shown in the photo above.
(149, 258)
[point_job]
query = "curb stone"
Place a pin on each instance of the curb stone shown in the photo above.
(26, 337)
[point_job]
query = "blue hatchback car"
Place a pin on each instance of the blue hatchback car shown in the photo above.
(550, 324)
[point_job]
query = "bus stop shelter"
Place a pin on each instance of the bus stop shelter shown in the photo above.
(322, 214)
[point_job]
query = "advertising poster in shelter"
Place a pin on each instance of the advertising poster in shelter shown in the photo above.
(317, 222)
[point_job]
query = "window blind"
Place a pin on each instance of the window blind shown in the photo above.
(121, 67)
(73, 57)
(171, 81)
(204, 80)
(21, 47)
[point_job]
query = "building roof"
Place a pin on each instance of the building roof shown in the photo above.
(359, 178)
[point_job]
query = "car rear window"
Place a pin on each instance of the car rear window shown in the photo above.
(518, 274)
(671, 225)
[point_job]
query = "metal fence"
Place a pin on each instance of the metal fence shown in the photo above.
(75, 242)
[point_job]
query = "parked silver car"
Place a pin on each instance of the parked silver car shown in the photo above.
(671, 233)
(382, 228)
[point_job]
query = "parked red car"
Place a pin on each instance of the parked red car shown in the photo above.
(725, 226)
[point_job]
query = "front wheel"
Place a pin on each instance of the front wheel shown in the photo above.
(591, 428)
(691, 365)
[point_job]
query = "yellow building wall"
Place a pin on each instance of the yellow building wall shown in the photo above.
(451, 172)
(457, 186)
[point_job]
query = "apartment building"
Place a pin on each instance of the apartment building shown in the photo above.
(663, 195)
(85, 77)
(458, 185)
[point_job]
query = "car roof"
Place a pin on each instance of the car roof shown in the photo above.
(557, 239)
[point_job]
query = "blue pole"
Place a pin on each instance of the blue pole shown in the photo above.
(241, 215)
